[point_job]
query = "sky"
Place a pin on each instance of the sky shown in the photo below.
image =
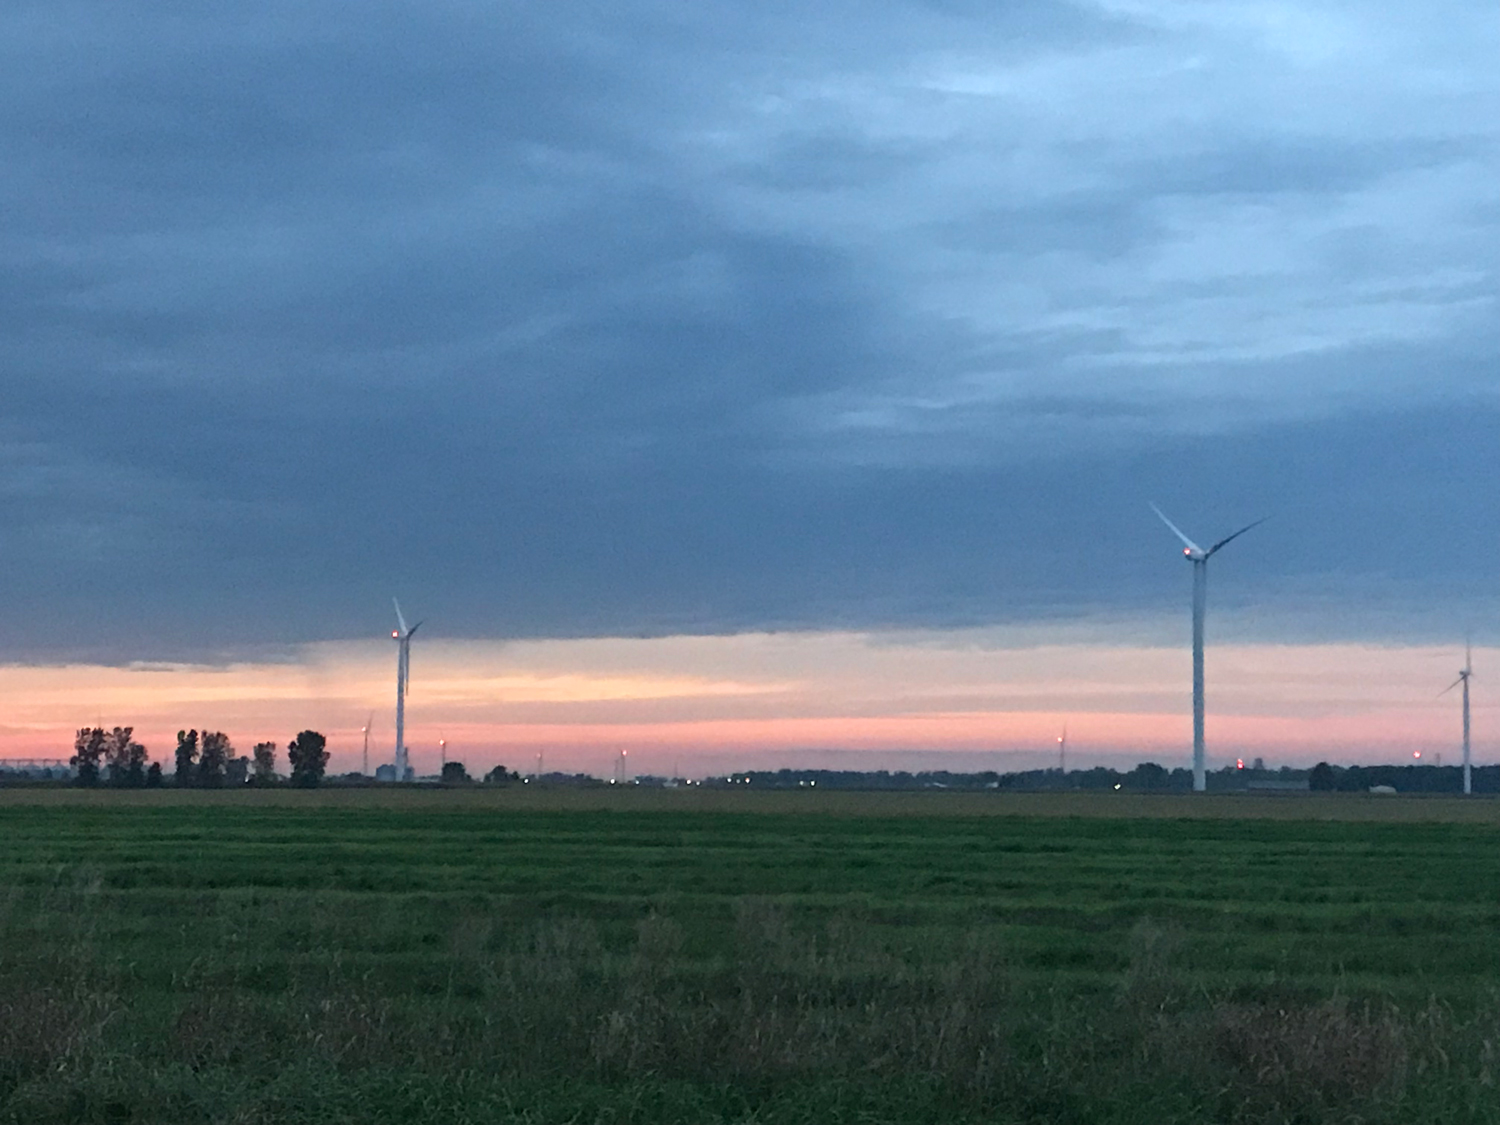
(750, 384)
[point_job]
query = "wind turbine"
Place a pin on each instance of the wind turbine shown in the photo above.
(1199, 558)
(1062, 751)
(366, 732)
(402, 636)
(1463, 678)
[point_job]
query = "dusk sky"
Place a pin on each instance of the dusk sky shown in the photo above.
(749, 384)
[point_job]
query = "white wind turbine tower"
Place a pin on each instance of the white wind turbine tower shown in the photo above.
(1463, 678)
(402, 636)
(366, 732)
(1199, 558)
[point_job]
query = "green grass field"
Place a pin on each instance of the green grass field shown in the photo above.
(522, 956)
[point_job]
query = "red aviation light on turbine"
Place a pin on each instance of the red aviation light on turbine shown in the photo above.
(1239, 763)
(395, 635)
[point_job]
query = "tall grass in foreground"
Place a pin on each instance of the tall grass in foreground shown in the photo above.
(787, 1020)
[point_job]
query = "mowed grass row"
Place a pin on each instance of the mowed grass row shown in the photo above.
(211, 960)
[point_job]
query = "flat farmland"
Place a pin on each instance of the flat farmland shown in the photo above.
(703, 956)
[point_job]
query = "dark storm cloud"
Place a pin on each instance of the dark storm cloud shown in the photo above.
(629, 318)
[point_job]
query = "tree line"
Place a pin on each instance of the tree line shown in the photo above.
(205, 760)
(208, 760)
(1145, 777)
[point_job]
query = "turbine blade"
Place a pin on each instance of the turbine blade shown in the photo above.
(414, 628)
(1236, 535)
(1450, 687)
(400, 620)
(1177, 531)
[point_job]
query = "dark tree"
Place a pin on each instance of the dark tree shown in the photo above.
(236, 771)
(1147, 775)
(153, 776)
(1353, 780)
(187, 758)
(1322, 778)
(213, 758)
(126, 758)
(308, 758)
(455, 774)
(1100, 777)
(264, 756)
(500, 776)
(88, 749)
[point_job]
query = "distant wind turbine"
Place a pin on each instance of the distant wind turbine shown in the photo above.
(1463, 678)
(366, 732)
(1199, 558)
(1062, 750)
(402, 636)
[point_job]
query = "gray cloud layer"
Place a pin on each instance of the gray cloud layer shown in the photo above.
(636, 317)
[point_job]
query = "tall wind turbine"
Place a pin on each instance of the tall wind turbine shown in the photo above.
(402, 636)
(1463, 678)
(1199, 558)
(1062, 751)
(366, 733)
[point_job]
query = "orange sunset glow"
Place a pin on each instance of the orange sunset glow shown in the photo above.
(964, 699)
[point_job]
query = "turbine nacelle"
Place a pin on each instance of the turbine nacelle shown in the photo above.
(1464, 673)
(402, 632)
(1463, 678)
(1190, 550)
